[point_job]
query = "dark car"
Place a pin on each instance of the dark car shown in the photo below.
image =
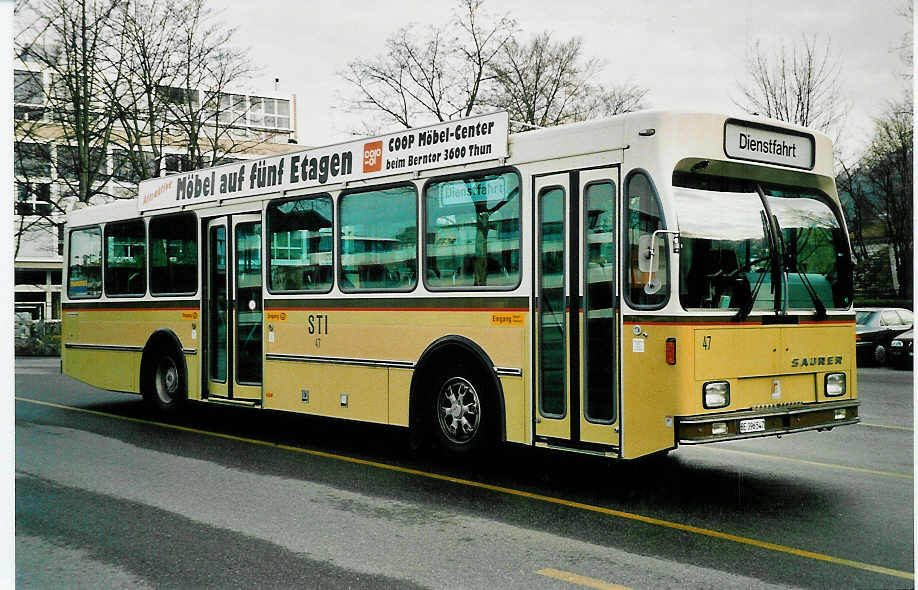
(901, 351)
(876, 327)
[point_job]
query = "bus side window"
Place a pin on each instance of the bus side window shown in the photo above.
(378, 239)
(174, 254)
(644, 217)
(125, 259)
(472, 232)
(84, 268)
(300, 244)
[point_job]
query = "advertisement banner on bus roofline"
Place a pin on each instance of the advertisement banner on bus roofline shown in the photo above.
(450, 143)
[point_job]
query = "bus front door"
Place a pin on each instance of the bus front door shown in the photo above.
(234, 308)
(576, 323)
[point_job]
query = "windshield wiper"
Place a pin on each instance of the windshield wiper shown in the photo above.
(747, 306)
(777, 277)
(808, 287)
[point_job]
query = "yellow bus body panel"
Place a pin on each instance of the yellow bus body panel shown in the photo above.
(393, 336)
(85, 328)
(766, 366)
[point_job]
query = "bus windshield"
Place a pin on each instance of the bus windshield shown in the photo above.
(725, 250)
(725, 247)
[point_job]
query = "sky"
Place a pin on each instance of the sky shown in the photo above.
(689, 54)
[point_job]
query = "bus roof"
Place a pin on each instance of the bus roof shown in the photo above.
(670, 135)
(114, 211)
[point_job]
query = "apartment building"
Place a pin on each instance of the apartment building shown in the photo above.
(261, 124)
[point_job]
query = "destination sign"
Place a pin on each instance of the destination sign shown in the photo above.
(770, 145)
(449, 143)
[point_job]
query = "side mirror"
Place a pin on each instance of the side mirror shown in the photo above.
(647, 259)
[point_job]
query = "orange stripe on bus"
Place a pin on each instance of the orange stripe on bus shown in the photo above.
(476, 309)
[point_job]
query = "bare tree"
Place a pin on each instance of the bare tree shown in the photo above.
(859, 211)
(201, 107)
(75, 46)
(800, 85)
(440, 76)
(544, 83)
(906, 47)
(437, 76)
(72, 43)
(147, 51)
(888, 167)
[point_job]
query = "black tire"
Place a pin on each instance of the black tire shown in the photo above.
(879, 354)
(165, 386)
(462, 412)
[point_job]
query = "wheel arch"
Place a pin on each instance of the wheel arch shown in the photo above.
(436, 352)
(160, 340)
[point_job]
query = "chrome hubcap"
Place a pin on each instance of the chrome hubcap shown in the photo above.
(167, 380)
(458, 409)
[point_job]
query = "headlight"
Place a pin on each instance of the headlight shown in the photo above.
(716, 395)
(897, 344)
(835, 384)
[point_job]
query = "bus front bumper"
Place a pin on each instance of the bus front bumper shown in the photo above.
(706, 428)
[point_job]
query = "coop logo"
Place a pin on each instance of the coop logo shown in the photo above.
(372, 157)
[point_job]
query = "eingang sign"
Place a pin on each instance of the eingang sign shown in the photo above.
(770, 145)
(445, 144)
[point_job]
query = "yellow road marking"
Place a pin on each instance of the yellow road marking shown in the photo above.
(887, 426)
(578, 579)
(815, 463)
(508, 491)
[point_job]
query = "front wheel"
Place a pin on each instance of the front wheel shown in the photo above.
(879, 354)
(166, 385)
(463, 413)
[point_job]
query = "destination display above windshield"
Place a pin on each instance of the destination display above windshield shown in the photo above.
(770, 145)
(445, 144)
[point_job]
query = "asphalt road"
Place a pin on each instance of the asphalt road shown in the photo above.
(111, 495)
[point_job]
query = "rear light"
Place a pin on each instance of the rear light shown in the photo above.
(671, 351)
(857, 337)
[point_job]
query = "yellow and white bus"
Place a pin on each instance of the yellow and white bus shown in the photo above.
(617, 287)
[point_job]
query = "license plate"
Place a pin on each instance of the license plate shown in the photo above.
(754, 425)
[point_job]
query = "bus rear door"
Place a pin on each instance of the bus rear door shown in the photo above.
(234, 308)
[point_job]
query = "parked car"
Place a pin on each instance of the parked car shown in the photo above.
(901, 352)
(876, 328)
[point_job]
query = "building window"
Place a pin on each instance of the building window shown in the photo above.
(29, 276)
(379, 240)
(33, 160)
(174, 254)
(231, 110)
(177, 163)
(272, 113)
(300, 243)
(84, 268)
(69, 164)
(178, 96)
(29, 95)
(473, 232)
(124, 169)
(33, 198)
(125, 258)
